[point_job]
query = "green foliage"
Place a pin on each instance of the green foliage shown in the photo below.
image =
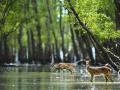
(99, 16)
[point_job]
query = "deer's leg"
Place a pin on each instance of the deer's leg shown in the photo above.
(106, 78)
(54, 69)
(70, 70)
(58, 70)
(110, 78)
(91, 77)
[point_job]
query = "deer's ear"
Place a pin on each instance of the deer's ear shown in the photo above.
(90, 60)
(106, 64)
(84, 60)
(87, 59)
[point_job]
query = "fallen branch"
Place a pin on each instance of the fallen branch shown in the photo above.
(112, 53)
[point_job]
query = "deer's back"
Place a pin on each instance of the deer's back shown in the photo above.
(66, 65)
(98, 70)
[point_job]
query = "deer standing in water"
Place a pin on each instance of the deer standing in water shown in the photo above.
(68, 66)
(106, 71)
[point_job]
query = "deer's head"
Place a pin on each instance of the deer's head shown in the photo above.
(87, 61)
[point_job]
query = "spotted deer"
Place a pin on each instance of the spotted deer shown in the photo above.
(101, 70)
(60, 66)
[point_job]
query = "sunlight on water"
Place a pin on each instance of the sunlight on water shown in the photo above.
(33, 78)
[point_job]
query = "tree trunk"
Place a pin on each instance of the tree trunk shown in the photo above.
(1, 51)
(81, 42)
(20, 54)
(76, 50)
(29, 45)
(33, 53)
(39, 50)
(89, 47)
(6, 51)
(56, 53)
(57, 57)
(62, 31)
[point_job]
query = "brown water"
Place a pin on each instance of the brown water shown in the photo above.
(36, 78)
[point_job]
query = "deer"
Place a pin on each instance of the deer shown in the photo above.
(61, 66)
(101, 70)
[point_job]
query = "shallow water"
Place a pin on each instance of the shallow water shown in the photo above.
(41, 78)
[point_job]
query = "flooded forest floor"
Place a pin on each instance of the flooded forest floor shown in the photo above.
(43, 78)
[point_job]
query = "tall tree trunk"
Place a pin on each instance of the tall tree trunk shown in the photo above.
(1, 51)
(56, 53)
(30, 58)
(89, 47)
(82, 45)
(76, 50)
(50, 22)
(33, 53)
(62, 31)
(20, 50)
(39, 50)
(6, 51)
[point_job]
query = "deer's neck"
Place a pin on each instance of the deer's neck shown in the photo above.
(87, 66)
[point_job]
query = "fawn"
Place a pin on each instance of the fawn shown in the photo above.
(68, 66)
(106, 71)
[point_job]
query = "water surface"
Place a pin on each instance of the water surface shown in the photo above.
(41, 78)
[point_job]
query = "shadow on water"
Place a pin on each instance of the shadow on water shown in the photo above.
(40, 78)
